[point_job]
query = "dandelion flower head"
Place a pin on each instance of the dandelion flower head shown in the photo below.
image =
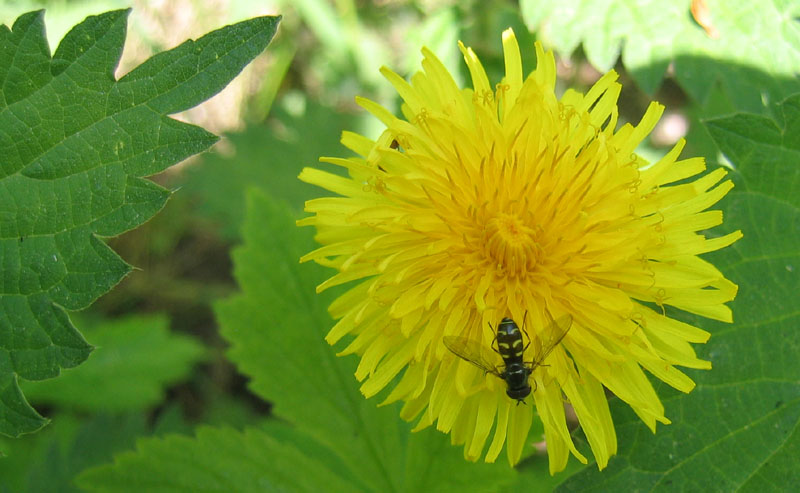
(507, 201)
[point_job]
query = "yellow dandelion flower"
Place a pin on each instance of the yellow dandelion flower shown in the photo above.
(487, 203)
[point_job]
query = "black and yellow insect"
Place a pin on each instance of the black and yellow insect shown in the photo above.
(511, 348)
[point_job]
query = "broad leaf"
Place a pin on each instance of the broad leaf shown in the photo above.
(74, 146)
(755, 54)
(135, 359)
(739, 430)
(216, 460)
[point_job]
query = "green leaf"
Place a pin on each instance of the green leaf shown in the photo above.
(75, 146)
(222, 460)
(276, 328)
(138, 350)
(739, 430)
(755, 57)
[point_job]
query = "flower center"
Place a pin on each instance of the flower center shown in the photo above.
(511, 244)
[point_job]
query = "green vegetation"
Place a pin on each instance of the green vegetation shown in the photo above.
(157, 332)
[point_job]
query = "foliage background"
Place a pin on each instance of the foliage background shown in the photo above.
(209, 367)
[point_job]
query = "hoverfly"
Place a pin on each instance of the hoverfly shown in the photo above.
(515, 370)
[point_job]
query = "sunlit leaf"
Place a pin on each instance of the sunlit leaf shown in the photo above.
(755, 56)
(75, 145)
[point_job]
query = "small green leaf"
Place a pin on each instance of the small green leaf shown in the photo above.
(216, 460)
(75, 146)
(738, 430)
(755, 55)
(139, 351)
(276, 328)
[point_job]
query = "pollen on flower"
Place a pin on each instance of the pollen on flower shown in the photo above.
(504, 201)
(510, 244)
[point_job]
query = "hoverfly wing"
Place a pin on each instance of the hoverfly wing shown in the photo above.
(470, 350)
(555, 331)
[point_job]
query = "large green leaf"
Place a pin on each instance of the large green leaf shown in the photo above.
(216, 460)
(756, 56)
(136, 350)
(74, 146)
(739, 430)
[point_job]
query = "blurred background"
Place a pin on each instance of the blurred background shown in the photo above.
(284, 111)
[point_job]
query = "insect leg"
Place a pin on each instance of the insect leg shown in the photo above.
(525, 317)
(494, 339)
